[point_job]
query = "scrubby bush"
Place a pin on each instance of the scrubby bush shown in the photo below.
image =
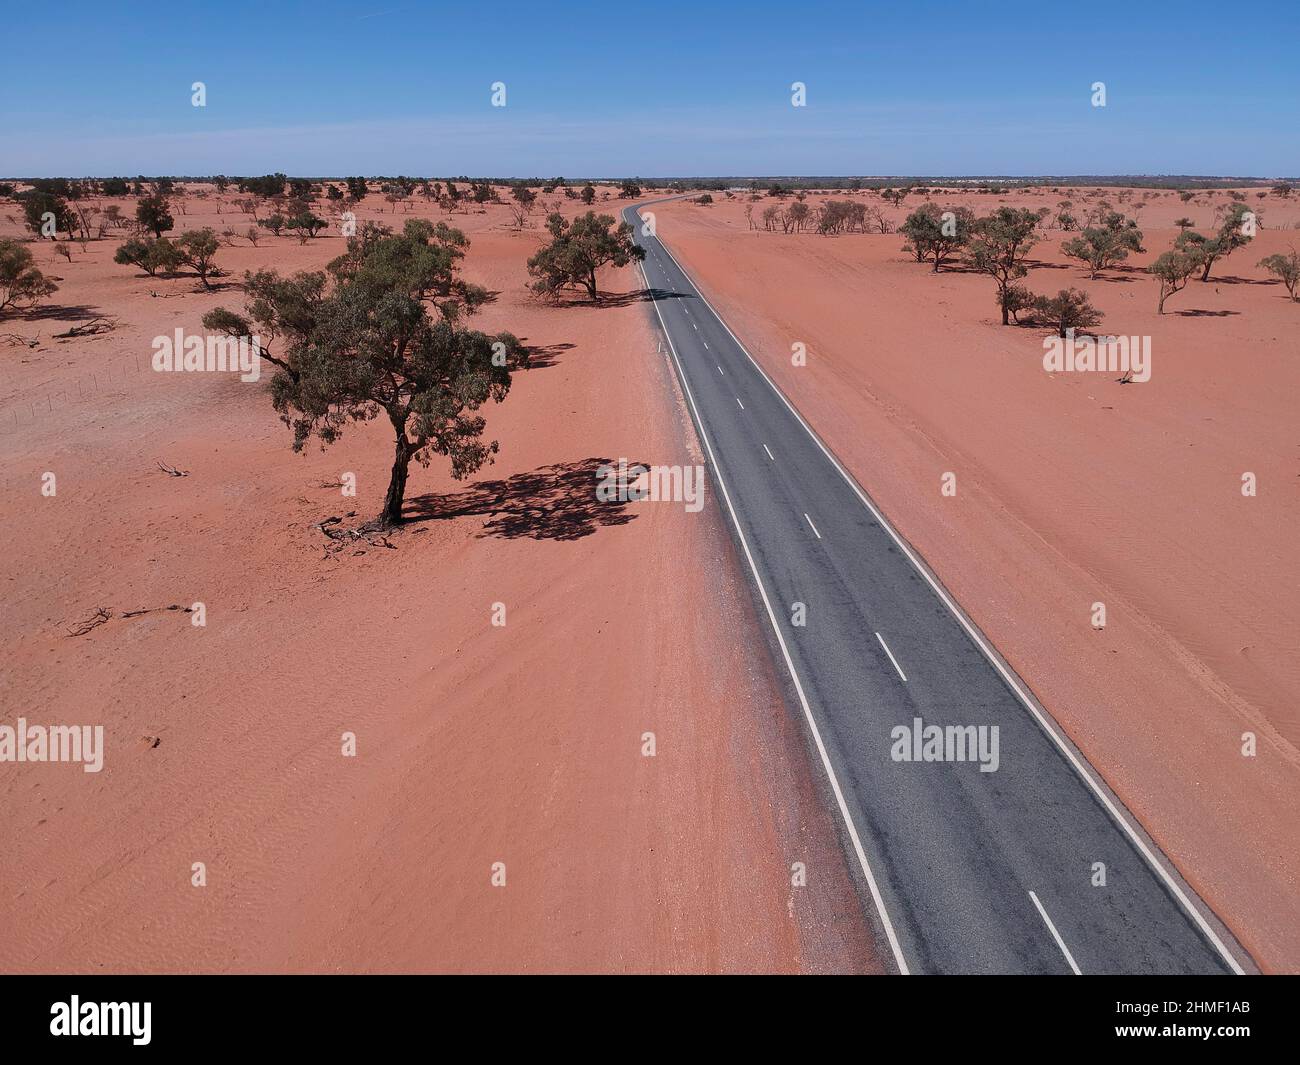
(1103, 246)
(1286, 268)
(1068, 309)
(197, 249)
(153, 255)
(1172, 269)
(21, 284)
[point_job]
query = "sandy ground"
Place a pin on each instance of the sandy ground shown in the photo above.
(476, 744)
(1074, 489)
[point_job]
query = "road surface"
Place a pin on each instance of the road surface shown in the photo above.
(970, 871)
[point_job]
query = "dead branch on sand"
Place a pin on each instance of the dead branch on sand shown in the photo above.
(14, 338)
(156, 609)
(171, 470)
(102, 615)
(98, 618)
(92, 328)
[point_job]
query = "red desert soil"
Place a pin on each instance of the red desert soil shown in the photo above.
(476, 744)
(1074, 489)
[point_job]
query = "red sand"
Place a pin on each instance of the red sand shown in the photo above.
(1074, 489)
(476, 744)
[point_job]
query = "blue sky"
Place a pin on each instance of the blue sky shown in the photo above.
(668, 89)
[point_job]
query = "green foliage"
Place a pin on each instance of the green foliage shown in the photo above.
(1172, 269)
(1106, 245)
(114, 187)
(197, 248)
(275, 223)
(1230, 236)
(933, 233)
(1286, 268)
(306, 224)
(153, 255)
(1068, 309)
(21, 284)
(629, 190)
(421, 261)
(269, 185)
(38, 204)
(588, 194)
(578, 249)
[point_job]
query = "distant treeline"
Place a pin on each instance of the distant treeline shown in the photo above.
(849, 184)
(267, 183)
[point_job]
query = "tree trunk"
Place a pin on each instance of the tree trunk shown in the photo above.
(392, 512)
(591, 285)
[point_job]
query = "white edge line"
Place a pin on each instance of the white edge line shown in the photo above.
(789, 662)
(891, 656)
(975, 635)
(1055, 935)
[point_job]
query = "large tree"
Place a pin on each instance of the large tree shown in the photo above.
(578, 249)
(366, 346)
(998, 247)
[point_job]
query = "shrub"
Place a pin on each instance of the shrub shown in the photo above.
(1068, 309)
(21, 284)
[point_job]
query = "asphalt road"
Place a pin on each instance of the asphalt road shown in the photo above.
(969, 871)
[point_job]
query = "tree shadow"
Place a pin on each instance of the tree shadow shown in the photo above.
(540, 356)
(556, 502)
(79, 312)
(1206, 314)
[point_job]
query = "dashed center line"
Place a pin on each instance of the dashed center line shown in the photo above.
(742, 406)
(891, 656)
(722, 371)
(770, 455)
(808, 519)
(1055, 935)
